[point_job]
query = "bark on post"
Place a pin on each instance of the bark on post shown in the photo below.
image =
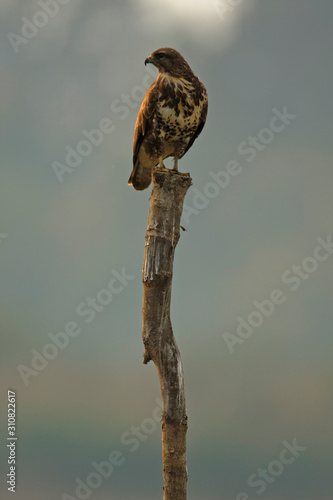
(166, 206)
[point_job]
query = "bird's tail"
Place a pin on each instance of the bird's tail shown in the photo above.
(140, 177)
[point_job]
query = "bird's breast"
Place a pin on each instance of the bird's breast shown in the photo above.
(178, 120)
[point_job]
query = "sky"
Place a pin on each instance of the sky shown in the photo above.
(252, 286)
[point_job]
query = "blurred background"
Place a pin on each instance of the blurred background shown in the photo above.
(69, 224)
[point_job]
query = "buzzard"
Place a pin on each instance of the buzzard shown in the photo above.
(172, 115)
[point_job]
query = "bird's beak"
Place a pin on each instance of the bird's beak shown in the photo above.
(149, 60)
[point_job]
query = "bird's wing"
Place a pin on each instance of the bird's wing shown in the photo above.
(199, 128)
(144, 119)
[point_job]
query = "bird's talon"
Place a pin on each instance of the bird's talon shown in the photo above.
(161, 169)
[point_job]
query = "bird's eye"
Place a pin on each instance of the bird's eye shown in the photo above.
(160, 56)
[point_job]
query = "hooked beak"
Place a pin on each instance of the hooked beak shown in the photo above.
(149, 60)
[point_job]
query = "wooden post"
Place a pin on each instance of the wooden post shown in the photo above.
(166, 206)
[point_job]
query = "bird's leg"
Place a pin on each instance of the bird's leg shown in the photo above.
(175, 163)
(175, 166)
(161, 166)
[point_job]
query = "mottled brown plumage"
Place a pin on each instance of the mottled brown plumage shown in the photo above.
(172, 115)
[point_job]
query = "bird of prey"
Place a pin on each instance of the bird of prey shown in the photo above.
(172, 115)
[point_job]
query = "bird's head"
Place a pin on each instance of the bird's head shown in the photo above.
(169, 61)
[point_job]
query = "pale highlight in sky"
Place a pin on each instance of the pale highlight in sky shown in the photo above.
(213, 22)
(223, 10)
(186, 8)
